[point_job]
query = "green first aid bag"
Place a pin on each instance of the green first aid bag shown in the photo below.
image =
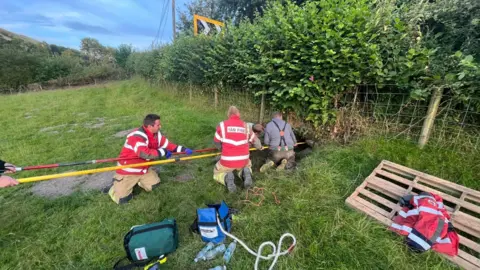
(144, 243)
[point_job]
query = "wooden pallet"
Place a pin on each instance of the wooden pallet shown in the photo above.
(379, 194)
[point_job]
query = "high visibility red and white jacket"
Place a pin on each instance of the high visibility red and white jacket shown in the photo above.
(235, 136)
(426, 223)
(143, 146)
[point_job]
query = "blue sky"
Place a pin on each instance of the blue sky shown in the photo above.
(112, 22)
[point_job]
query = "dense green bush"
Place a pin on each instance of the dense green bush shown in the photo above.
(452, 29)
(305, 57)
(144, 64)
(27, 65)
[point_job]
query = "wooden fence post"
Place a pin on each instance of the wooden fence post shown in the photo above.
(430, 118)
(215, 89)
(262, 109)
(190, 92)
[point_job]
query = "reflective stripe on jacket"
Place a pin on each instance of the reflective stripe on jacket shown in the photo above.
(143, 146)
(427, 225)
(234, 135)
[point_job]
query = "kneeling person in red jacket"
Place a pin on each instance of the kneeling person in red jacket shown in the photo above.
(233, 137)
(143, 144)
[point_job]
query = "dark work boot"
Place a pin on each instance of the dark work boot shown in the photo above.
(230, 182)
(247, 178)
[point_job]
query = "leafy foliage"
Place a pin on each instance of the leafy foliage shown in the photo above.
(143, 64)
(304, 57)
(308, 56)
(452, 29)
(24, 64)
(122, 53)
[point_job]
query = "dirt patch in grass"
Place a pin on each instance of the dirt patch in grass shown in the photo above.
(51, 129)
(57, 187)
(66, 186)
(184, 177)
(97, 181)
(100, 122)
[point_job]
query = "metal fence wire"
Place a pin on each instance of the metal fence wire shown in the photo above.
(392, 114)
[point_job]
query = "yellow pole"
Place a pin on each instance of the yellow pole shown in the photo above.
(106, 169)
(114, 168)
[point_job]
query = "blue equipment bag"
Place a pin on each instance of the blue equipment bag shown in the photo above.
(206, 223)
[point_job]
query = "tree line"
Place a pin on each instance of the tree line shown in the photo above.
(25, 65)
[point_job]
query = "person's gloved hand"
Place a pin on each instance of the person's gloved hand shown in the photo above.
(6, 167)
(10, 168)
(168, 154)
(188, 151)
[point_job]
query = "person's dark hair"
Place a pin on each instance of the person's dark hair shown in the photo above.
(150, 119)
(258, 128)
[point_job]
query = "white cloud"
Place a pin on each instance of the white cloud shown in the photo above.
(57, 28)
(13, 26)
(117, 3)
(60, 15)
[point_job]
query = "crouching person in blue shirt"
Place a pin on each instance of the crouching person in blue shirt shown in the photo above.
(281, 140)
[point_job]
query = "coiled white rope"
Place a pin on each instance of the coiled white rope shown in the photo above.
(276, 250)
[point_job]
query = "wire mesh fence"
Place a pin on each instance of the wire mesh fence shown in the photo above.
(392, 114)
(398, 115)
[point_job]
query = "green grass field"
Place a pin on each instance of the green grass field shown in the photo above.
(85, 230)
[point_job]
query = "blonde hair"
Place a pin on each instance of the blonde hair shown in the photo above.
(232, 110)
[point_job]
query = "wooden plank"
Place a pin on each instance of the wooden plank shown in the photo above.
(409, 191)
(440, 186)
(372, 206)
(353, 203)
(461, 198)
(380, 199)
(462, 227)
(392, 195)
(469, 258)
(473, 198)
(462, 262)
(450, 198)
(395, 177)
(357, 190)
(387, 165)
(372, 174)
(387, 186)
(469, 243)
(433, 178)
(449, 209)
(451, 185)
(467, 220)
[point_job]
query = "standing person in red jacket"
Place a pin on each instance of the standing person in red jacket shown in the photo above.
(233, 137)
(143, 144)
